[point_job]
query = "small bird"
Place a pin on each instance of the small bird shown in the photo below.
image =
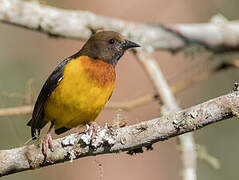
(78, 89)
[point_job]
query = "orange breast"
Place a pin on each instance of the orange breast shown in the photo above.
(101, 72)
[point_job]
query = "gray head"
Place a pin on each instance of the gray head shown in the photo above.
(108, 46)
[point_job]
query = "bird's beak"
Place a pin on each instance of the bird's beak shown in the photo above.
(129, 44)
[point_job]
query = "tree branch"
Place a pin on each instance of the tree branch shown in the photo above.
(12, 111)
(27, 109)
(56, 22)
(130, 104)
(108, 140)
(189, 157)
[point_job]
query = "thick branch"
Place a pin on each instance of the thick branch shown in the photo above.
(78, 24)
(127, 138)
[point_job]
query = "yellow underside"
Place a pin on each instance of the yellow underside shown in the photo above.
(77, 99)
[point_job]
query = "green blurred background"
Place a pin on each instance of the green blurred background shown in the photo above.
(27, 58)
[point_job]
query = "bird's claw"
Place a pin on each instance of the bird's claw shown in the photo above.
(47, 144)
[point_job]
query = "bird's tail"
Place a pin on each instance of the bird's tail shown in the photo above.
(29, 123)
(32, 130)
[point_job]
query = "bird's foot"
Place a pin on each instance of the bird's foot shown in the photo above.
(92, 128)
(47, 144)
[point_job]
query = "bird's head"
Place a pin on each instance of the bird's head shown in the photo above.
(108, 46)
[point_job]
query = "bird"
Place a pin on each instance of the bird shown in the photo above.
(77, 90)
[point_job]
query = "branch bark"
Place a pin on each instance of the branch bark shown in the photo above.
(189, 155)
(108, 140)
(218, 38)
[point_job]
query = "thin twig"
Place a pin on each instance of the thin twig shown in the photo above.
(211, 160)
(128, 105)
(13, 111)
(27, 109)
(187, 141)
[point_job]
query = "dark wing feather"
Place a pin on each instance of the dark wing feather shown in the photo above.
(37, 122)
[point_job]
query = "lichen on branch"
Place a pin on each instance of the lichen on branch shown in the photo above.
(128, 138)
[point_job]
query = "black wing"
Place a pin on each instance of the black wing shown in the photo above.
(37, 122)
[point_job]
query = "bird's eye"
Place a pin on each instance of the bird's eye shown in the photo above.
(112, 41)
